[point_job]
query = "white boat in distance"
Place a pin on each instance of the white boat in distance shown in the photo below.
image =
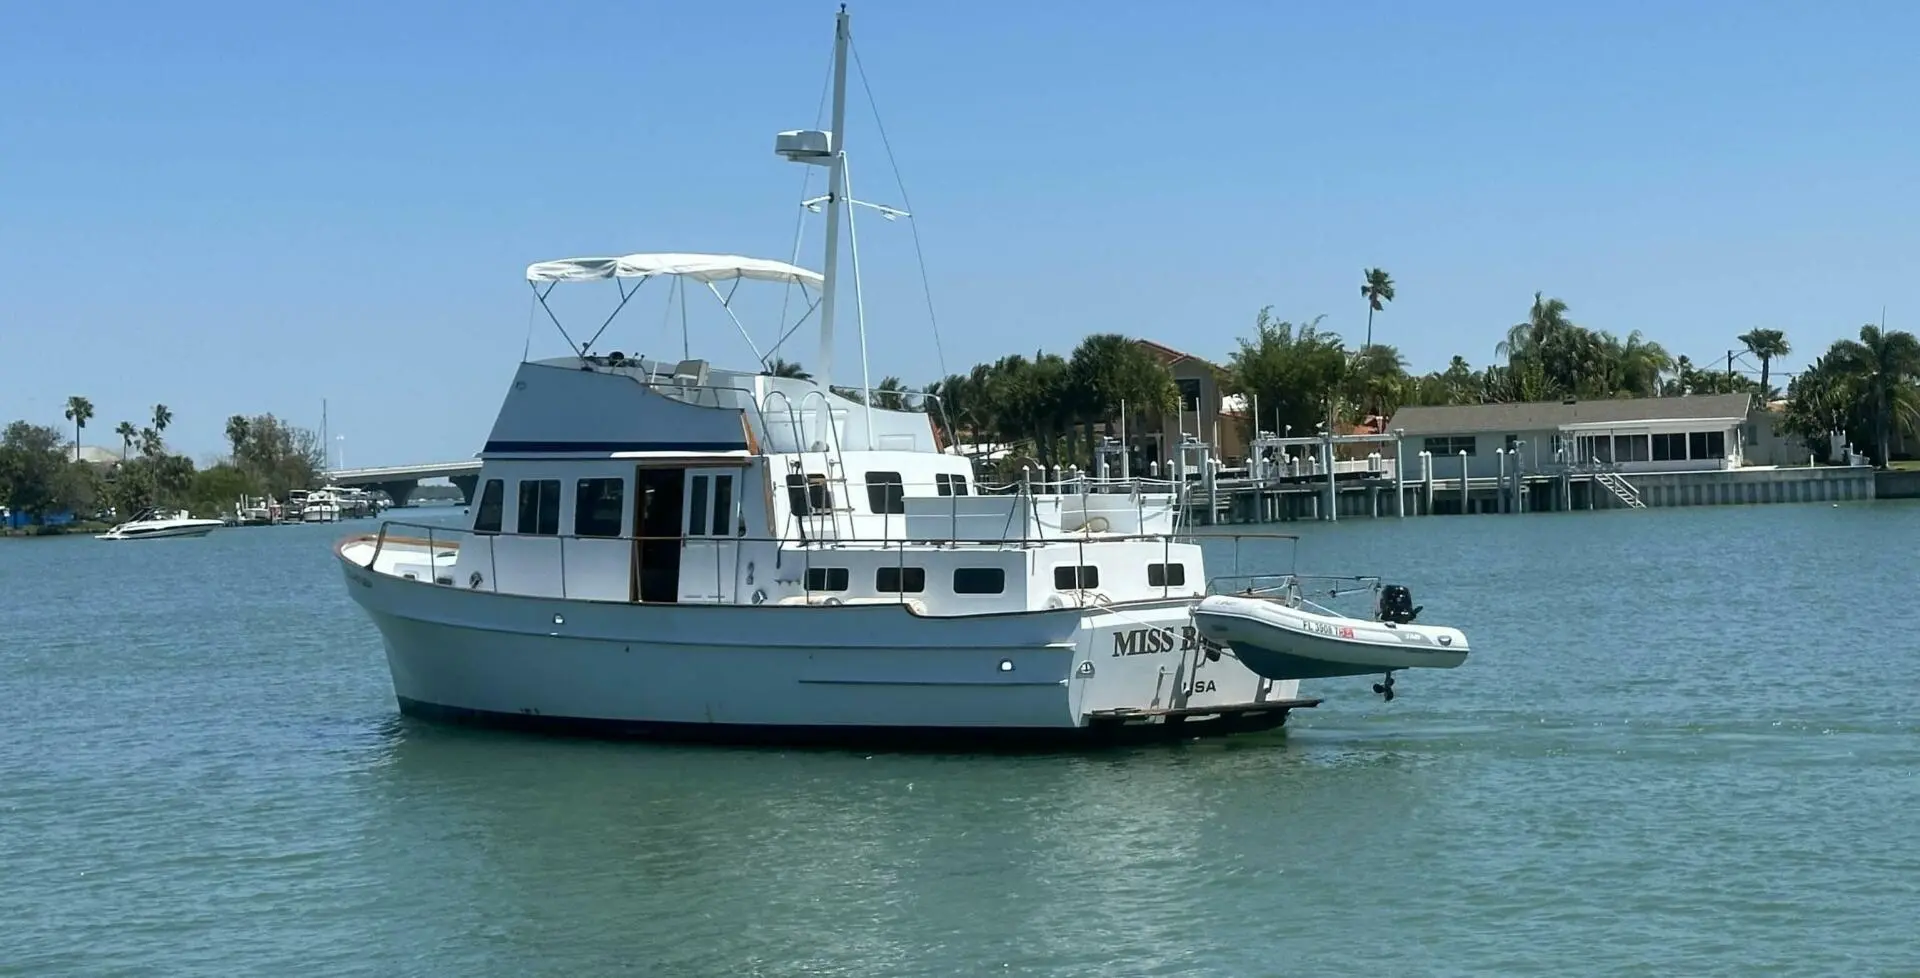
(675, 549)
(151, 525)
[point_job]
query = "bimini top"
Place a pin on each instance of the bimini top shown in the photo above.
(701, 268)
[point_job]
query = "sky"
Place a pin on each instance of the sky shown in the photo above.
(249, 208)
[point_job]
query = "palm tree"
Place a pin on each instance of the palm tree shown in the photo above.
(127, 433)
(1885, 364)
(890, 394)
(782, 368)
(162, 417)
(237, 433)
(1377, 289)
(1766, 344)
(79, 411)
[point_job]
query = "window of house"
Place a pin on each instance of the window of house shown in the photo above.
(950, 485)
(1189, 393)
(1670, 447)
(1071, 578)
(886, 493)
(493, 499)
(979, 580)
(540, 507)
(1451, 445)
(1707, 444)
(808, 494)
(827, 578)
(900, 580)
(597, 507)
(1630, 448)
(1166, 575)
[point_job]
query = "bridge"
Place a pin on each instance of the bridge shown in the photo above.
(399, 481)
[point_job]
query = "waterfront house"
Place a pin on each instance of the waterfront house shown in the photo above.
(1205, 413)
(1629, 435)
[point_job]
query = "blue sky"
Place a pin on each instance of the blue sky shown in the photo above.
(250, 207)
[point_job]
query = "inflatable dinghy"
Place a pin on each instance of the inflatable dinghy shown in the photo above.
(1283, 636)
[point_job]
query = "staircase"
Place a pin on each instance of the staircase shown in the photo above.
(1620, 488)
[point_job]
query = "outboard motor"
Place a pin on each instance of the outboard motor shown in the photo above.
(1396, 605)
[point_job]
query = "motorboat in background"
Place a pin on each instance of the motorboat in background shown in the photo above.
(153, 525)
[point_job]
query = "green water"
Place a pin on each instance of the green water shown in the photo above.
(1685, 744)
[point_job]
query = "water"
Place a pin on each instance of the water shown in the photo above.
(1685, 745)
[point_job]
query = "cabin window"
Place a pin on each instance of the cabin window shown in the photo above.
(723, 505)
(597, 507)
(827, 578)
(885, 493)
(1707, 444)
(493, 499)
(540, 507)
(900, 580)
(697, 506)
(1451, 445)
(808, 494)
(979, 580)
(1065, 577)
(1166, 575)
(950, 485)
(1670, 447)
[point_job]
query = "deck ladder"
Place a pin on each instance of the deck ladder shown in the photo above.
(1621, 488)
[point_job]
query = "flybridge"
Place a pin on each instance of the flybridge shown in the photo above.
(709, 270)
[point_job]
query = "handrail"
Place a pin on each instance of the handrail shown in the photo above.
(882, 544)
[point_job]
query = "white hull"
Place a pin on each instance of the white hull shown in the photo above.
(162, 529)
(1281, 641)
(794, 672)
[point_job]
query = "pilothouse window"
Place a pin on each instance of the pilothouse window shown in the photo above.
(597, 507)
(886, 493)
(947, 484)
(540, 507)
(808, 494)
(493, 499)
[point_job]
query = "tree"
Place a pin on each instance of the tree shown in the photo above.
(1297, 372)
(36, 477)
(162, 416)
(1884, 365)
(237, 433)
(279, 457)
(127, 434)
(782, 368)
(79, 411)
(1109, 373)
(1766, 344)
(1377, 289)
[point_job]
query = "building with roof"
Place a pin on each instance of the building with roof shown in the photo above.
(1628, 435)
(1205, 413)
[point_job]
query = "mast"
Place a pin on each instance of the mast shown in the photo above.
(836, 180)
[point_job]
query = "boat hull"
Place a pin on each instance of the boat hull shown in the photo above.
(797, 674)
(198, 528)
(1282, 642)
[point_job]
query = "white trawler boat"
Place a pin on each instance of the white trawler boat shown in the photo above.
(671, 548)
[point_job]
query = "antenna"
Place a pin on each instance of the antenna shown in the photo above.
(817, 148)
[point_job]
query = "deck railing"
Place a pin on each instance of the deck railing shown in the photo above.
(440, 547)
